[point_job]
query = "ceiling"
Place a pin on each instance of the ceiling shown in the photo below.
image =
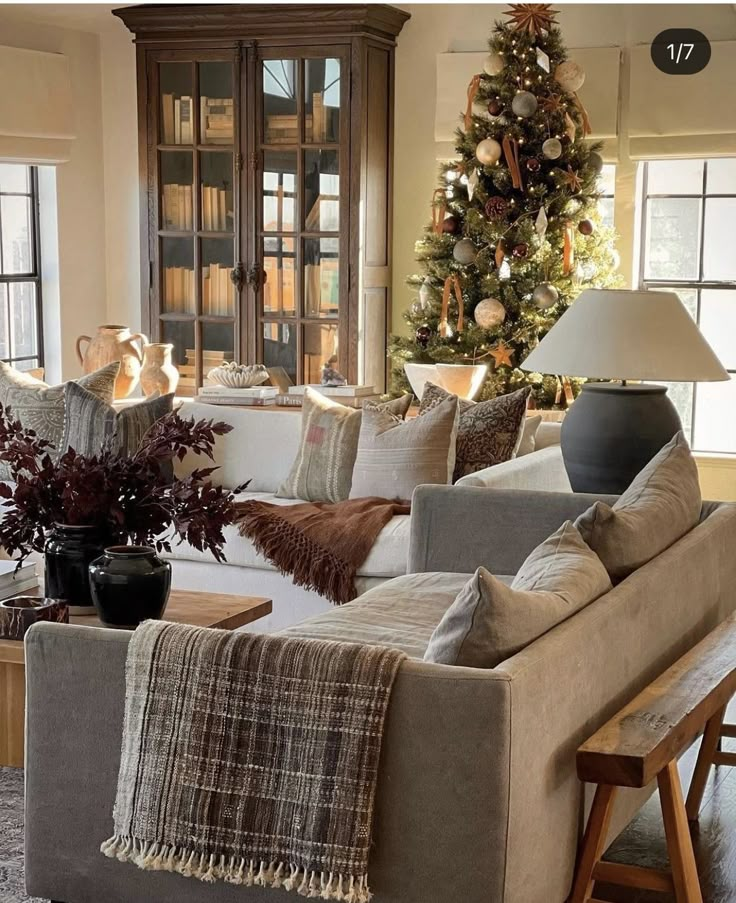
(94, 17)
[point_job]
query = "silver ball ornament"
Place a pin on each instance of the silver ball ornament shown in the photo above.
(494, 64)
(524, 104)
(552, 148)
(570, 76)
(545, 296)
(489, 313)
(488, 151)
(465, 251)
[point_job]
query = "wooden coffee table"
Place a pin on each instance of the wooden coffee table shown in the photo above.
(185, 607)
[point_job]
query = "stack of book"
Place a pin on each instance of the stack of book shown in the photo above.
(14, 583)
(215, 215)
(178, 290)
(283, 128)
(350, 396)
(187, 372)
(217, 291)
(177, 119)
(216, 119)
(256, 397)
(178, 207)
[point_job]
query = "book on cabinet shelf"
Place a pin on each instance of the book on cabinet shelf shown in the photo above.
(217, 119)
(188, 372)
(177, 119)
(283, 128)
(215, 215)
(217, 291)
(178, 293)
(178, 207)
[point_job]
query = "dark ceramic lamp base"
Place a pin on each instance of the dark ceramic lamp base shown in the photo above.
(612, 431)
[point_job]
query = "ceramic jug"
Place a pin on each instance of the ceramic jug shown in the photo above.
(159, 373)
(114, 343)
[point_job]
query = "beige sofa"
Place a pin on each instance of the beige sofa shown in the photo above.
(478, 800)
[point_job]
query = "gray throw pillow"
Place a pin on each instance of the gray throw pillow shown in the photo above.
(489, 621)
(90, 422)
(662, 504)
(528, 442)
(398, 406)
(40, 407)
(488, 432)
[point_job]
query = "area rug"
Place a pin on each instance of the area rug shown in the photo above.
(11, 838)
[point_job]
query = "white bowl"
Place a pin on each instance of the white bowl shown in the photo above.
(238, 376)
(463, 380)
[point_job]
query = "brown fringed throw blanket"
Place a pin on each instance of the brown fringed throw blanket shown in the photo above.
(252, 759)
(320, 544)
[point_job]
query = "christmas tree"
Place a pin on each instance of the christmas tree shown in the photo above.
(516, 232)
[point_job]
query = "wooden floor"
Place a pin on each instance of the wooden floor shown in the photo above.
(714, 838)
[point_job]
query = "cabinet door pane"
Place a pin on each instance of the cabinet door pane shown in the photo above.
(218, 343)
(280, 123)
(218, 291)
(279, 191)
(216, 170)
(279, 347)
(216, 112)
(279, 267)
(322, 100)
(322, 191)
(176, 85)
(321, 277)
(320, 350)
(181, 336)
(177, 276)
(176, 191)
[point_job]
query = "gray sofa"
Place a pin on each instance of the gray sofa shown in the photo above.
(478, 800)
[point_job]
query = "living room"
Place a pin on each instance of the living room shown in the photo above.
(367, 451)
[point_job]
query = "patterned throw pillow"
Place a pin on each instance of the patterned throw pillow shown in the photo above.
(89, 422)
(323, 469)
(40, 407)
(396, 456)
(488, 433)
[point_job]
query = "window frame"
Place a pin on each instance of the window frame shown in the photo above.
(33, 276)
(695, 285)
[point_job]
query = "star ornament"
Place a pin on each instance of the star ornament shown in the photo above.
(552, 104)
(572, 179)
(533, 18)
(501, 354)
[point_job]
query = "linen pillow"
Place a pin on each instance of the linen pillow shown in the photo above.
(489, 432)
(398, 406)
(395, 456)
(528, 442)
(662, 504)
(40, 407)
(489, 621)
(323, 468)
(89, 422)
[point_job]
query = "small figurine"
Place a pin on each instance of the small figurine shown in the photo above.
(331, 376)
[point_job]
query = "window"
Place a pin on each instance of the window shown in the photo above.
(689, 211)
(20, 271)
(607, 184)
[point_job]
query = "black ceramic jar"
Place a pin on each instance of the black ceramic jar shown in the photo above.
(68, 553)
(129, 584)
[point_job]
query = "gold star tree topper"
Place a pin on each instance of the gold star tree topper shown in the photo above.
(533, 18)
(501, 354)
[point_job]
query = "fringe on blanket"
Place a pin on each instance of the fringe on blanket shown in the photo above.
(236, 870)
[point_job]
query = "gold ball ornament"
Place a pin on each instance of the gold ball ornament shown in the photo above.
(545, 295)
(552, 148)
(524, 104)
(570, 76)
(488, 151)
(465, 252)
(494, 64)
(489, 313)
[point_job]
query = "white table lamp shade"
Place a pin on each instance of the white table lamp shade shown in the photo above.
(610, 334)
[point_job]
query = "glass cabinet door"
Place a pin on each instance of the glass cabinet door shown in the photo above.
(302, 144)
(196, 158)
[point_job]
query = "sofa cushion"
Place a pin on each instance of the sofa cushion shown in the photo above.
(396, 456)
(528, 441)
(662, 504)
(489, 622)
(323, 468)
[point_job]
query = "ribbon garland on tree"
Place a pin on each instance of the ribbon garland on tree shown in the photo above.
(439, 210)
(511, 152)
(587, 129)
(568, 251)
(472, 92)
(451, 283)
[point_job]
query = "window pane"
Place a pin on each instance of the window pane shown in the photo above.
(607, 180)
(280, 123)
(320, 345)
(279, 266)
(279, 191)
(15, 220)
(14, 177)
(322, 100)
(322, 191)
(719, 260)
(176, 189)
(715, 425)
(321, 277)
(23, 326)
(218, 291)
(605, 208)
(718, 323)
(177, 126)
(672, 238)
(279, 347)
(721, 176)
(216, 103)
(675, 177)
(4, 345)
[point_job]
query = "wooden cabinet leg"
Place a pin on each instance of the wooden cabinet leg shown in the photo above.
(679, 842)
(708, 748)
(593, 842)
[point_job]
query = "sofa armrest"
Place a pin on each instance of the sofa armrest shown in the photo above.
(542, 470)
(457, 529)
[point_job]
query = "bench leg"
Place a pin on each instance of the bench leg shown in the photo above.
(594, 842)
(708, 747)
(679, 842)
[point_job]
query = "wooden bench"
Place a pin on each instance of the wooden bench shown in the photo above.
(641, 743)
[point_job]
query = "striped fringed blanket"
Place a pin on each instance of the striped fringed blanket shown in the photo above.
(251, 758)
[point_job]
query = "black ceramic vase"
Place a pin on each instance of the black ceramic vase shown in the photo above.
(68, 554)
(129, 584)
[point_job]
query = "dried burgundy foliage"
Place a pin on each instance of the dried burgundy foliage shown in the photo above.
(129, 499)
